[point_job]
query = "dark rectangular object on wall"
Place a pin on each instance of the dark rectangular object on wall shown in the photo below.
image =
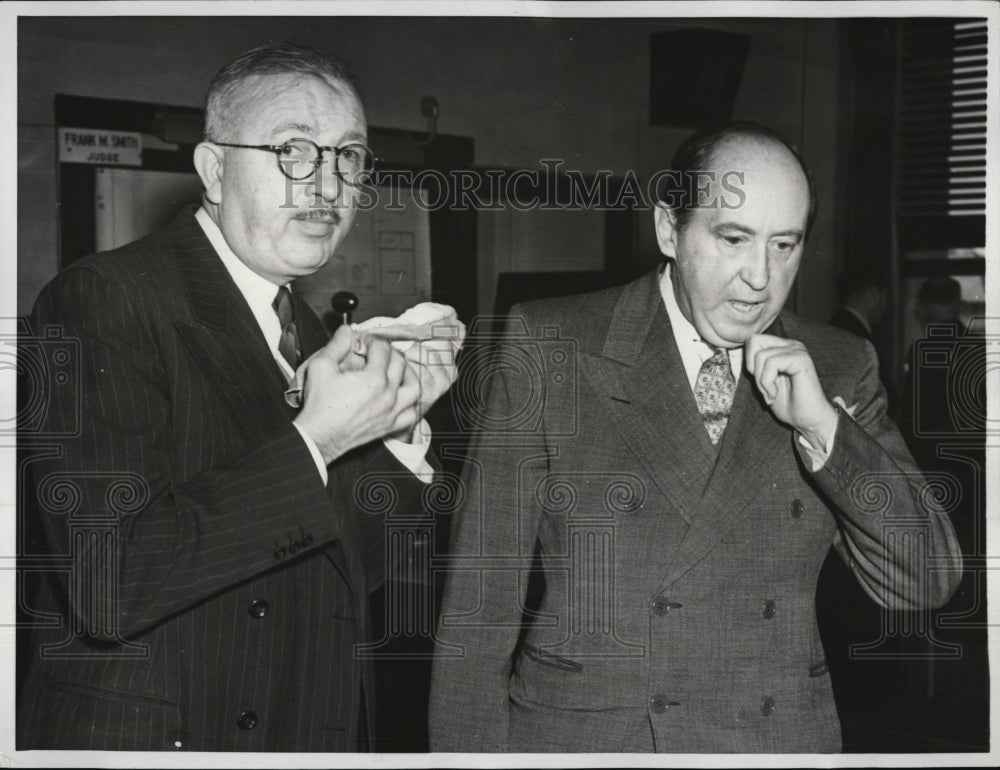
(694, 76)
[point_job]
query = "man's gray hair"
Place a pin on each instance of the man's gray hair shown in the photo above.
(222, 101)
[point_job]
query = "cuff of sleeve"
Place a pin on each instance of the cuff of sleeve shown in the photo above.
(317, 456)
(818, 457)
(414, 456)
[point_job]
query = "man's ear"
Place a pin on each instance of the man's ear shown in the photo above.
(208, 162)
(666, 230)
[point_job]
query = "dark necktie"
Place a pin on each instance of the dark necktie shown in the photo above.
(288, 346)
(713, 392)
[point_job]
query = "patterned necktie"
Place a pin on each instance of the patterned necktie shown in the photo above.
(713, 392)
(288, 346)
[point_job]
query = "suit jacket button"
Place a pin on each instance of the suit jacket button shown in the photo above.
(178, 738)
(258, 608)
(819, 669)
(247, 720)
(770, 608)
(660, 606)
(658, 704)
(797, 508)
(767, 706)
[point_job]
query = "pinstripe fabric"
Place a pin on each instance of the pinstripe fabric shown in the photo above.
(678, 612)
(186, 497)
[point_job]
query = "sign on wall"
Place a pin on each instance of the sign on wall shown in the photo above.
(106, 148)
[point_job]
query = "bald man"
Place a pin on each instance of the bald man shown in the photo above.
(699, 449)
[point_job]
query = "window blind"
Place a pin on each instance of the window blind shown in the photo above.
(941, 113)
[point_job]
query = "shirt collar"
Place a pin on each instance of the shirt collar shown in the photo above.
(694, 351)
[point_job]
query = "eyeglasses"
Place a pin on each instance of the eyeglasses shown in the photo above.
(299, 159)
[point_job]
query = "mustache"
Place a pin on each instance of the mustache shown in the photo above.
(328, 215)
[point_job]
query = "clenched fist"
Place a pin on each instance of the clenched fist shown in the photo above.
(786, 376)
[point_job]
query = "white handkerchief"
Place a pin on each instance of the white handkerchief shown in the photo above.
(426, 321)
(421, 323)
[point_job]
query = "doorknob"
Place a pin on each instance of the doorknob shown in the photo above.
(344, 303)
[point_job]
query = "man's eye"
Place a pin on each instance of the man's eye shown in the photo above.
(734, 240)
(785, 246)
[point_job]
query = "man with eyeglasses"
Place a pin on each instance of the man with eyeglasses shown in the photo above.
(217, 557)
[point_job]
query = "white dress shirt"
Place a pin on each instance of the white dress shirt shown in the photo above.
(259, 294)
(695, 351)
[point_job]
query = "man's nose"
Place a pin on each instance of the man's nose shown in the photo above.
(755, 270)
(327, 184)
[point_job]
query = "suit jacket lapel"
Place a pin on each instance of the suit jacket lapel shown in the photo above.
(226, 341)
(642, 381)
(747, 457)
(225, 338)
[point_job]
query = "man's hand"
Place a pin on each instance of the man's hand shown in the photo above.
(785, 374)
(434, 360)
(430, 347)
(347, 403)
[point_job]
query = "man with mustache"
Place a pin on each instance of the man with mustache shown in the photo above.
(217, 603)
(687, 475)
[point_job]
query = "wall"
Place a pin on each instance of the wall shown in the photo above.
(524, 89)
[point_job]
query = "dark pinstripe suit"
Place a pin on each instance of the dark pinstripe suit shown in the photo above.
(238, 584)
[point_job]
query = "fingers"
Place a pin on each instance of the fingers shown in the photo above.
(406, 420)
(410, 388)
(405, 411)
(396, 371)
(339, 346)
(385, 360)
(399, 383)
(770, 364)
(769, 357)
(377, 394)
(757, 344)
(378, 356)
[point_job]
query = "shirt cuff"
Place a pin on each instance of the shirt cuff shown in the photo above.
(818, 457)
(317, 456)
(414, 456)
